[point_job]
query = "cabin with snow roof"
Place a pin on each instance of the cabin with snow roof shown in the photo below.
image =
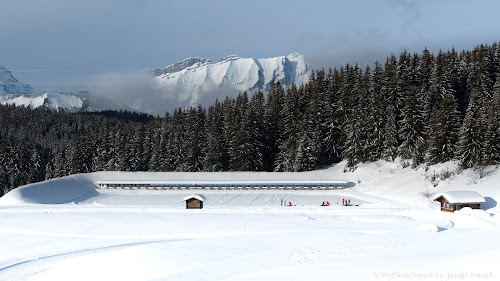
(194, 201)
(455, 200)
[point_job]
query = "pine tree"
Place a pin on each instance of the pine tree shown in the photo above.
(213, 159)
(19, 165)
(473, 133)
(244, 147)
(412, 128)
(309, 147)
(376, 117)
(256, 112)
(353, 126)
(34, 174)
(146, 147)
(443, 130)
(156, 144)
(389, 89)
(491, 145)
(291, 119)
(333, 119)
(82, 157)
(49, 167)
(195, 139)
(137, 149)
(390, 140)
(273, 125)
(4, 156)
(306, 157)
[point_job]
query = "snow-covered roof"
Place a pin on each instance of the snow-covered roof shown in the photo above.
(196, 196)
(461, 197)
(319, 176)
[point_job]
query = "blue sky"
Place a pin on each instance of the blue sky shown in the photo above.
(120, 34)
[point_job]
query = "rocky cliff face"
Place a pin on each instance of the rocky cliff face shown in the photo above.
(178, 66)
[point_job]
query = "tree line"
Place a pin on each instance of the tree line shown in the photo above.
(423, 108)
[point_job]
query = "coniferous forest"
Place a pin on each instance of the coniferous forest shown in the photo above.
(424, 108)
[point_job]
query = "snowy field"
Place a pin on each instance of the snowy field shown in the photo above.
(65, 229)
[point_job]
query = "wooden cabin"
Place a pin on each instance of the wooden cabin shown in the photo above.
(194, 201)
(452, 201)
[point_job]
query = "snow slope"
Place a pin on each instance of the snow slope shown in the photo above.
(10, 85)
(195, 80)
(395, 233)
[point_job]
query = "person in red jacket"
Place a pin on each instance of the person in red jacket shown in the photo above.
(327, 203)
(343, 201)
(290, 203)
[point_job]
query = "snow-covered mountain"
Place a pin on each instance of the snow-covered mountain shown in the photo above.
(196, 80)
(20, 94)
(53, 101)
(10, 85)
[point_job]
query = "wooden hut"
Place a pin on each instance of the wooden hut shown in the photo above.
(194, 201)
(455, 200)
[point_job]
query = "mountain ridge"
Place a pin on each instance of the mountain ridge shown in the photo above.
(232, 74)
(10, 85)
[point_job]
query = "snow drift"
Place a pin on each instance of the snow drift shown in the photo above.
(56, 191)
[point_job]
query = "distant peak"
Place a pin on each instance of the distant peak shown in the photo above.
(230, 57)
(295, 54)
(10, 85)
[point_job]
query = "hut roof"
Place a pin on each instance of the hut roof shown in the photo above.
(461, 197)
(197, 196)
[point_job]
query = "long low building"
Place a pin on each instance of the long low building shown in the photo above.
(292, 184)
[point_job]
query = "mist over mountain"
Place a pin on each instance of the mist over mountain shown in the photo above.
(186, 83)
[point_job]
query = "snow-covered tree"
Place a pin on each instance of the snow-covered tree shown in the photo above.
(444, 130)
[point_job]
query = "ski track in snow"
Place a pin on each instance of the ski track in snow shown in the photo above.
(64, 255)
(231, 199)
(32, 266)
(256, 198)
